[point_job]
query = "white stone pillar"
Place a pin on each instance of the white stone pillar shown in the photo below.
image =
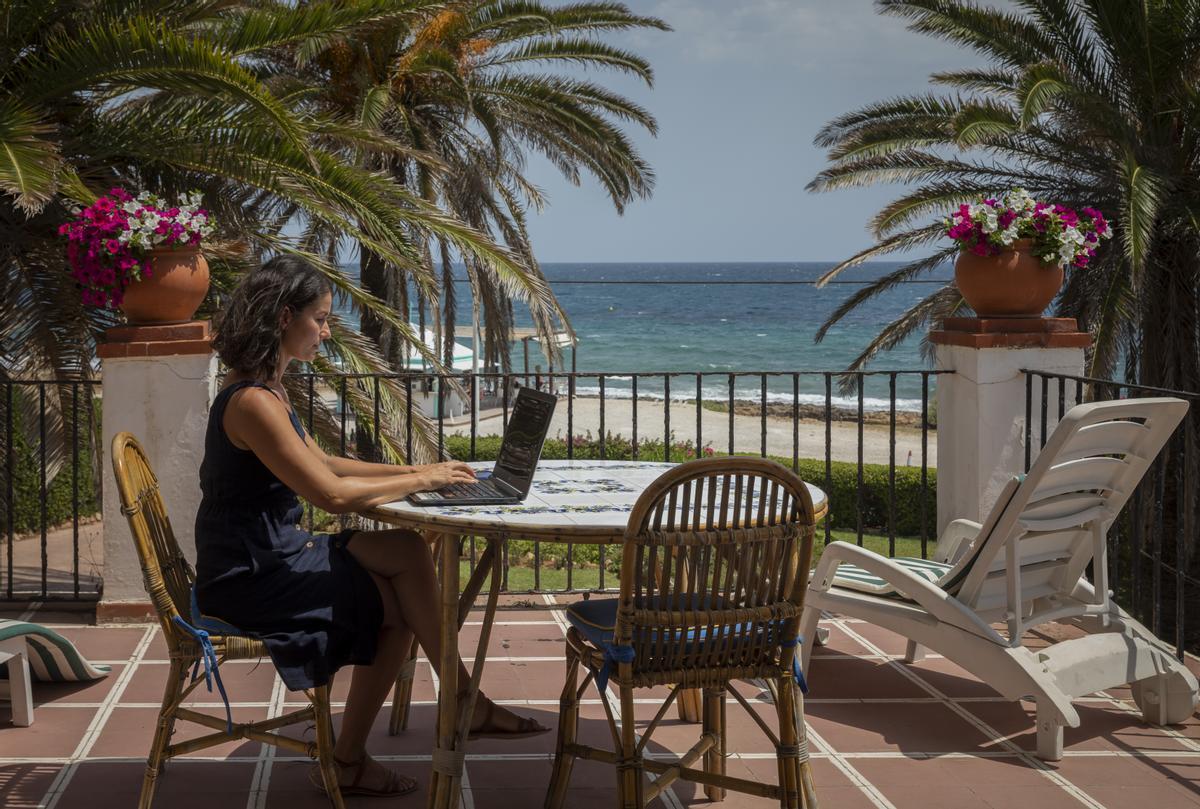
(981, 406)
(158, 384)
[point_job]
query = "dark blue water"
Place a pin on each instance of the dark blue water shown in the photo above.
(717, 327)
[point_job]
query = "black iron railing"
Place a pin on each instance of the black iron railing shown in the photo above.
(49, 490)
(669, 416)
(816, 422)
(1152, 547)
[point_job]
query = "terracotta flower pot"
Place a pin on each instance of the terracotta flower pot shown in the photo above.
(1015, 283)
(171, 292)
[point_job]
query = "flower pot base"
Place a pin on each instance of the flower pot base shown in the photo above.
(172, 293)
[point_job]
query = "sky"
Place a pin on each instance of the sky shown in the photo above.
(741, 88)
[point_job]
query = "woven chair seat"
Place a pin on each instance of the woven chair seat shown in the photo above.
(596, 619)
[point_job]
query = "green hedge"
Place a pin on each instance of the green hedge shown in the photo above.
(842, 489)
(27, 482)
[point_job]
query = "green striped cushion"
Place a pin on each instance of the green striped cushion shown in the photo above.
(52, 658)
(853, 577)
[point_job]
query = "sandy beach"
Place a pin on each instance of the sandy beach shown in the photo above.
(618, 420)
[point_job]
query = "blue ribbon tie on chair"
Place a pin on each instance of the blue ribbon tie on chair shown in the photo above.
(208, 656)
(614, 655)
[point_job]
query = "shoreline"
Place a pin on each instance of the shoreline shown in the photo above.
(806, 438)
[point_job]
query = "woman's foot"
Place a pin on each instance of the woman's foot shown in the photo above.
(492, 721)
(366, 777)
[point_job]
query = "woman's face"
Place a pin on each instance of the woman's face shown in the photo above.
(304, 331)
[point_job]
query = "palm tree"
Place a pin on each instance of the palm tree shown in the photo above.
(172, 96)
(1086, 102)
(463, 84)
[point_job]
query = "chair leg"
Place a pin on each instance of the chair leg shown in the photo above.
(20, 690)
(402, 694)
(788, 752)
(630, 781)
(1049, 734)
(324, 723)
(714, 723)
(162, 732)
(914, 652)
(568, 730)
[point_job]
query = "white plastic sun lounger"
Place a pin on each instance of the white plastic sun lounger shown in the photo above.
(1026, 566)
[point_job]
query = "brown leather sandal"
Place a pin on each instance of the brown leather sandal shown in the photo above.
(527, 726)
(394, 786)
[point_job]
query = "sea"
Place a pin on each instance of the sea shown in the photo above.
(717, 318)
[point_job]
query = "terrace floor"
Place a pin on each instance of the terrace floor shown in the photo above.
(882, 733)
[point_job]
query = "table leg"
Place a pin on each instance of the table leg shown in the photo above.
(445, 778)
(454, 717)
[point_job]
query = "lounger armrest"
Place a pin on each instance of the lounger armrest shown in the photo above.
(933, 599)
(955, 539)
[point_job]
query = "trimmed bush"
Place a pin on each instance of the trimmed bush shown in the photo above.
(27, 486)
(842, 487)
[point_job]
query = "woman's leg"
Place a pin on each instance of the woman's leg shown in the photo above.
(403, 558)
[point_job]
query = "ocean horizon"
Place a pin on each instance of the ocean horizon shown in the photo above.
(716, 318)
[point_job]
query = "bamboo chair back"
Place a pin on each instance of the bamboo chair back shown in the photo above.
(167, 574)
(1048, 527)
(716, 560)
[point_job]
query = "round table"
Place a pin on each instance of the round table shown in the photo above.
(569, 501)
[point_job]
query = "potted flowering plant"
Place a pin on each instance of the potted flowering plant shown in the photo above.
(140, 254)
(1014, 250)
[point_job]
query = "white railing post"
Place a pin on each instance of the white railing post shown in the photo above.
(981, 406)
(158, 384)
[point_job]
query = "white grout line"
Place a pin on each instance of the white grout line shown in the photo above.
(29, 613)
(261, 781)
(1029, 759)
(1125, 707)
(59, 785)
(869, 790)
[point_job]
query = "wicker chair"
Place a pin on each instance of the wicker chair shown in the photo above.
(169, 578)
(715, 565)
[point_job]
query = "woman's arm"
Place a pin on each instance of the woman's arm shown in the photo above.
(256, 419)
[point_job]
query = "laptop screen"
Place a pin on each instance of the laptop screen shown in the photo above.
(523, 438)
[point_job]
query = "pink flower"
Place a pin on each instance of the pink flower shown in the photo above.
(113, 246)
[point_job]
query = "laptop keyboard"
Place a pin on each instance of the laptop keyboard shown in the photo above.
(482, 488)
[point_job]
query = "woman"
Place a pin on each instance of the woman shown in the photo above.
(318, 602)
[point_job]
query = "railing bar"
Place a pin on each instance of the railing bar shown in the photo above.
(1028, 419)
(796, 423)
(312, 395)
(666, 418)
(924, 465)
(1062, 397)
(1045, 404)
(1156, 548)
(892, 466)
(377, 450)
(11, 503)
(859, 491)
(1181, 463)
(44, 510)
(828, 454)
(762, 419)
(732, 385)
(475, 398)
(570, 415)
(603, 452)
(634, 393)
(75, 486)
(699, 415)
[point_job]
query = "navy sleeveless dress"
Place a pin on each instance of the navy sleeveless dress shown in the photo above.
(311, 603)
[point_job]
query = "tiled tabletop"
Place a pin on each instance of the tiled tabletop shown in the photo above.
(592, 495)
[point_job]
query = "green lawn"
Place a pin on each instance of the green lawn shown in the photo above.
(586, 573)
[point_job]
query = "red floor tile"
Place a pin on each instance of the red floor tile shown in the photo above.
(1101, 727)
(906, 727)
(889, 642)
(856, 678)
(104, 642)
(24, 785)
(182, 785)
(950, 678)
(129, 732)
(55, 732)
(245, 681)
(69, 693)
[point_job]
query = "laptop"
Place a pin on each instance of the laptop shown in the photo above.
(509, 480)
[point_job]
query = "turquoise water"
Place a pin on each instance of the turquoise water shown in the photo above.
(716, 327)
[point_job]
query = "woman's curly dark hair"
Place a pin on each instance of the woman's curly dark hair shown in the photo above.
(247, 331)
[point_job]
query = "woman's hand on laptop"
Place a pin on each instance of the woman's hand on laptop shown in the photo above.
(438, 475)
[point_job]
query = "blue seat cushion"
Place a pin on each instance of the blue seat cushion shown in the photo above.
(596, 619)
(214, 626)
